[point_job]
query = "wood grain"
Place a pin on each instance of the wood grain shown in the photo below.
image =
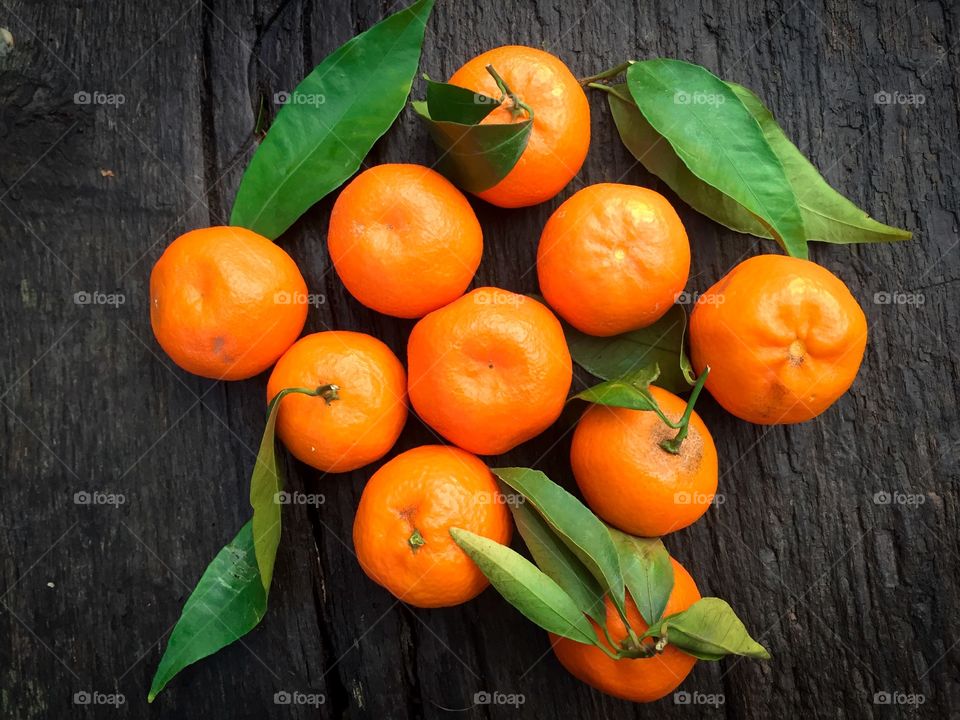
(853, 597)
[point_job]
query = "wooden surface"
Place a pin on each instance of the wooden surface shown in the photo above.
(853, 597)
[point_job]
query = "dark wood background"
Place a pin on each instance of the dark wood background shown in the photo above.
(853, 597)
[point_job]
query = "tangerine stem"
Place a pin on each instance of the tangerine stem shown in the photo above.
(673, 445)
(416, 540)
(518, 104)
(328, 392)
(607, 74)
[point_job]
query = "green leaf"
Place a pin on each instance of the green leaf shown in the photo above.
(577, 527)
(631, 391)
(708, 630)
(660, 344)
(226, 604)
(457, 104)
(656, 154)
(333, 118)
(827, 215)
(559, 562)
(719, 141)
(525, 587)
(476, 157)
(265, 486)
(647, 573)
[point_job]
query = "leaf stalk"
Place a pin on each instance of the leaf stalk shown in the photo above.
(673, 445)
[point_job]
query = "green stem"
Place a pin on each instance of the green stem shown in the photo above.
(518, 104)
(416, 541)
(673, 445)
(606, 74)
(610, 653)
(328, 392)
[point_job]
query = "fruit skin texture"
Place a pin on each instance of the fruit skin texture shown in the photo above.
(489, 371)
(613, 258)
(225, 302)
(630, 481)
(429, 490)
(560, 135)
(783, 337)
(363, 423)
(641, 679)
(404, 240)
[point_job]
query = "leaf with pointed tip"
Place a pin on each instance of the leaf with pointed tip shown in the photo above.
(227, 603)
(526, 587)
(631, 391)
(333, 117)
(709, 630)
(827, 215)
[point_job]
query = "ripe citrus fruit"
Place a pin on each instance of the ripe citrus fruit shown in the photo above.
(613, 258)
(641, 679)
(783, 337)
(489, 371)
(560, 134)
(404, 240)
(225, 302)
(633, 483)
(401, 533)
(354, 423)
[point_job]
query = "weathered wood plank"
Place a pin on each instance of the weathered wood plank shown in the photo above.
(852, 596)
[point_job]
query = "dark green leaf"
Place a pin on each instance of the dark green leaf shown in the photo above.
(631, 391)
(577, 527)
(719, 141)
(559, 562)
(525, 587)
(827, 215)
(476, 157)
(333, 118)
(649, 147)
(265, 486)
(227, 603)
(708, 630)
(660, 344)
(647, 573)
(458, 104)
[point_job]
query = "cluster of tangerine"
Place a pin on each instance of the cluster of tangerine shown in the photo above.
(490, 369)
